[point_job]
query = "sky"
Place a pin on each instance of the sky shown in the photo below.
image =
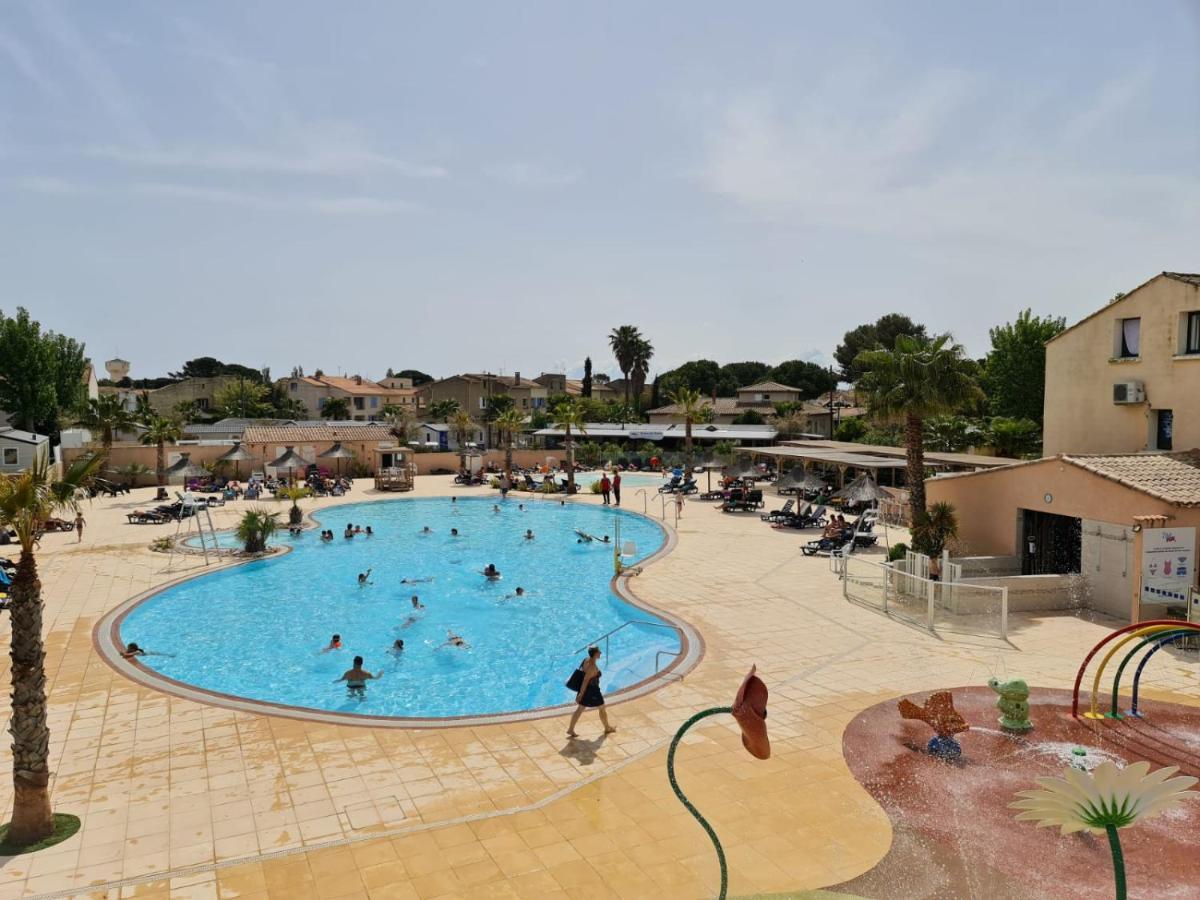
(495, 186)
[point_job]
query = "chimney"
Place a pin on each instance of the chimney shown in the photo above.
(516, 379)
(358, 379)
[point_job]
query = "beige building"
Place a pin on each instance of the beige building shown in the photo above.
(365, 398)
(1127, 378)
(201, 392)
(310, 440)
(761, 398)
(473, 389)
(561, 384)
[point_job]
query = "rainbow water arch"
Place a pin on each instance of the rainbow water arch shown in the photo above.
(1157, 632)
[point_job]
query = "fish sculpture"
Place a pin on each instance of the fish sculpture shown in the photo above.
(940, 715)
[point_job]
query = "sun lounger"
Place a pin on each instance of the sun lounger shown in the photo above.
(784, 512)
(670, 486)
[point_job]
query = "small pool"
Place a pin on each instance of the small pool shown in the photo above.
(257, 630)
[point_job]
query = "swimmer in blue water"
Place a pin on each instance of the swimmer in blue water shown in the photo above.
(356, 679)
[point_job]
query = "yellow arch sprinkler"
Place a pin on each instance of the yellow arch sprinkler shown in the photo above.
(1149, 630)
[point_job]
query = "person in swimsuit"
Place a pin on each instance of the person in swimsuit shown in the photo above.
(453, 532)
(131, 650)
(520, 592)
(335, 643)
(426, 530)
(79, 523)
(364, 578)
(416, 602)
(369, 532)
(416, 580)
(529, 534)
(349, 532)
(589, 696)
(453, 640)
(491, 573)
(397, 647)
(356, 679)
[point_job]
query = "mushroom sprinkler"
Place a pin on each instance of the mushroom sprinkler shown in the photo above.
(749, 709)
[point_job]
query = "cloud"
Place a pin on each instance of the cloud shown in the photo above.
(23, 61)
(527, 174)
(944, 157)
(322, 205)
(328, 162)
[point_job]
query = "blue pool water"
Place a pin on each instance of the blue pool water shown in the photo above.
(257, 630)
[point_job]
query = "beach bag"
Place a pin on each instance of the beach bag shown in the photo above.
(575, 682)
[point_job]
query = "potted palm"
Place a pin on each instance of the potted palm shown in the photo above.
(295, 514)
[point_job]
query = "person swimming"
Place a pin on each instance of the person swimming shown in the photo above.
(519, 592)
(495, 508)
(416, 580)
(426, 530)
(529, 534)
(454, 640)
(416, 602)
(453, 532)
(364, 578)
(397, 647)
(490, 572)
(369, 532)
(349, 532)
(335, 643)
(521, 507)
(584, 537)
(131, 650)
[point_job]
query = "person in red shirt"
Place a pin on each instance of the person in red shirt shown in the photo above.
(616, 488)
(605, 488)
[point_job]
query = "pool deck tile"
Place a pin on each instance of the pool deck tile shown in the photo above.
(194, 800)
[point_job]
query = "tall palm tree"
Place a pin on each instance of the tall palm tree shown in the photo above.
(106, 414)
(142, 410)
(509, 423)
(159, 431)
(918, 378)
(463, 426)
(643, 351)
(624, 342)
(692, 406)
(570, 415)
(27, 501)
(442, 410)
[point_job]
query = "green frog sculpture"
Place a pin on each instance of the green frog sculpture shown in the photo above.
(1013, 704)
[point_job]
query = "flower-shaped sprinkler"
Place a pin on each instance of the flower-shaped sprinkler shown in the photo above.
(750, 711)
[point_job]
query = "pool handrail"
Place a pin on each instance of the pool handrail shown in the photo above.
(604, 637)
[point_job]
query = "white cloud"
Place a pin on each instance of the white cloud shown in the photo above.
(23, 61)
(329, 161)
(528, 174)
(48, 184)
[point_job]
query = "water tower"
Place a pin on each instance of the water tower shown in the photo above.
(117, 368)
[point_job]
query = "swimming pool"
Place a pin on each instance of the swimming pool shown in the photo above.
(257, 630)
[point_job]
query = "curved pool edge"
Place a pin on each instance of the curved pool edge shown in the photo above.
(107, 643)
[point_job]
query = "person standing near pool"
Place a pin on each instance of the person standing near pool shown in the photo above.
(616, 487)
(605, 488)
(588, 696)
(356, 679)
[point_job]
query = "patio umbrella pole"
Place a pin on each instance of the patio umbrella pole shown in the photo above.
(687, 804)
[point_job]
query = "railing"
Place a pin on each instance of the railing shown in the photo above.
(605, 637)
(645, 499)
(662, 653)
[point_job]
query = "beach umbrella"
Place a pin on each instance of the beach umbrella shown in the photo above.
(185, 467)
(236, 454)
(290, 460)
(338, 452)
(806, 480)
(862, 489)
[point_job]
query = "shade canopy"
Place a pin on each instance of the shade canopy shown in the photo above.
(236, 453)
(862, 489)
(185, 467)
(290, 459)
(805, 480)
(337, 451)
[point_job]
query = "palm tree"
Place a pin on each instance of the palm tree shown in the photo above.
(640, 367)
(442, 410)
(106, 414)
(26, 501)
(918, 378)
(692, 406)
(402, 420)
(570, 415)
(142, 410)
(624, 343)
(509, 423)
(255, 528)
(464, 426)
(160, 430)
(295, 515)
(335, 408)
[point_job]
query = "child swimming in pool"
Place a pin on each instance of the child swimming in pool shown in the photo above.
(364, 578)
(491, 573)
(453, 640)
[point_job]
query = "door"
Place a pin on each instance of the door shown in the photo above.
(1051, 544)
(1164, 428)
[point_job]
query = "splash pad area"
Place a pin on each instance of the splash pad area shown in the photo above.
(954, 833)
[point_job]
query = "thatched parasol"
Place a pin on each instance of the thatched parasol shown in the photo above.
(290, 460)
(862, 489)
(186, 468)
(237, 454)
(338, 452)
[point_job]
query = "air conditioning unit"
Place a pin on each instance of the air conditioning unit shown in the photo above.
(1129, 392)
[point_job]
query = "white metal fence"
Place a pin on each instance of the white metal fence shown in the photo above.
(903, 590)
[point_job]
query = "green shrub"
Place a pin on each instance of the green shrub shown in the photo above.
(595, 488)
(897, 551)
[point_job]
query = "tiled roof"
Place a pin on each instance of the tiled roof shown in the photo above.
(351, 386)
(1186, 277)
(1173, 477)
(724, 406)
(305, 434)
(768, 386)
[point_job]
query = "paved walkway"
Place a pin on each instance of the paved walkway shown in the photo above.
(183, 799)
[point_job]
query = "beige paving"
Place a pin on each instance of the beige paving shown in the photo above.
(184, 799)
